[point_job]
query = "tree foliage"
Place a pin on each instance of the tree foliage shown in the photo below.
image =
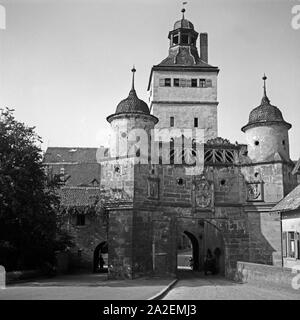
(28, 204)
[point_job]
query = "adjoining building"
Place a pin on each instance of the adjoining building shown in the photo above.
(289, 208)
(152, 195)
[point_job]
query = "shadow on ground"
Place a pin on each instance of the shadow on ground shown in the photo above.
(90, 280)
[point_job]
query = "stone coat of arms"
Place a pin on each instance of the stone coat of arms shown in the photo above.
(203, 193)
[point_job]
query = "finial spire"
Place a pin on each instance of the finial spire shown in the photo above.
(265, 90)
(265, 99)
(133, 70)
(183, 9)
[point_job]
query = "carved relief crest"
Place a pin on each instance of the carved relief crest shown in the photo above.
(255, 191)
(153, 188)
(203, 193)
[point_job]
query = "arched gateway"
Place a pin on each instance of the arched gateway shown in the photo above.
(203, 236)
(100, 250)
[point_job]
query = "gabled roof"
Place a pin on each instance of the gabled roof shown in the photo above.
(290, 203)
(297, 167)
(70, 155)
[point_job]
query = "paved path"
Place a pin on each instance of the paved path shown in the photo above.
(216, 288)
(81, 287)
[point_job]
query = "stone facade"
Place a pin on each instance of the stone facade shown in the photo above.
(224, 206)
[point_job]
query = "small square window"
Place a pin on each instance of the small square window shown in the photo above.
(196, 122)
(80, 220)
(168, 82)
(176, 82)
(194, 83)
(171, 121)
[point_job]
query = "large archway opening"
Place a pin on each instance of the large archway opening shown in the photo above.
(214, 249)
(200, 248)
(188, 252)
(100, 261)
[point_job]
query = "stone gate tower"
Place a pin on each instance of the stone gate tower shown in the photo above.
(183, 87)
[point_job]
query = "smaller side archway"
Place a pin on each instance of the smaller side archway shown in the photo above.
(99, 261)
(195, 249)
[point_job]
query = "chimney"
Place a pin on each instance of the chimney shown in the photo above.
(204, 47)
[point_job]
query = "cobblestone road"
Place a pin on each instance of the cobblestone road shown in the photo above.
(82, 287)
(214, 288)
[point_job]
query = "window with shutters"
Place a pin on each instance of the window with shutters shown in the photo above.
(202, 83)
(208, 83)
(291, 244)
(182, 82)
(284, 244)
(167, 82)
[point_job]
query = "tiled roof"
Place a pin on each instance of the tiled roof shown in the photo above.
(78, 196)
(132, 104)
(76, 174)
(290, 202)
(184, 56)
(265, 114)
(77, 155)
(92, 196)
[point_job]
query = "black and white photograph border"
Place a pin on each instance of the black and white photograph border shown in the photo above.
(149, 151)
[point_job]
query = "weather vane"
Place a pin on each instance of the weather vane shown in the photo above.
(183, 9)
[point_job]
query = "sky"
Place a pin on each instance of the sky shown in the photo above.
(65, 64)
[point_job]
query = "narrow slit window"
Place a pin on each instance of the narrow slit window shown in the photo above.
(196, 122)
(171, 121)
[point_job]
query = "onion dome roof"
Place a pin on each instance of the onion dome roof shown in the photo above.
(265, 113)
(132, 104)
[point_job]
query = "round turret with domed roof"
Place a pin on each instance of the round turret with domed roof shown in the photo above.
(132, 105)
(267, 132)
(132, 116)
